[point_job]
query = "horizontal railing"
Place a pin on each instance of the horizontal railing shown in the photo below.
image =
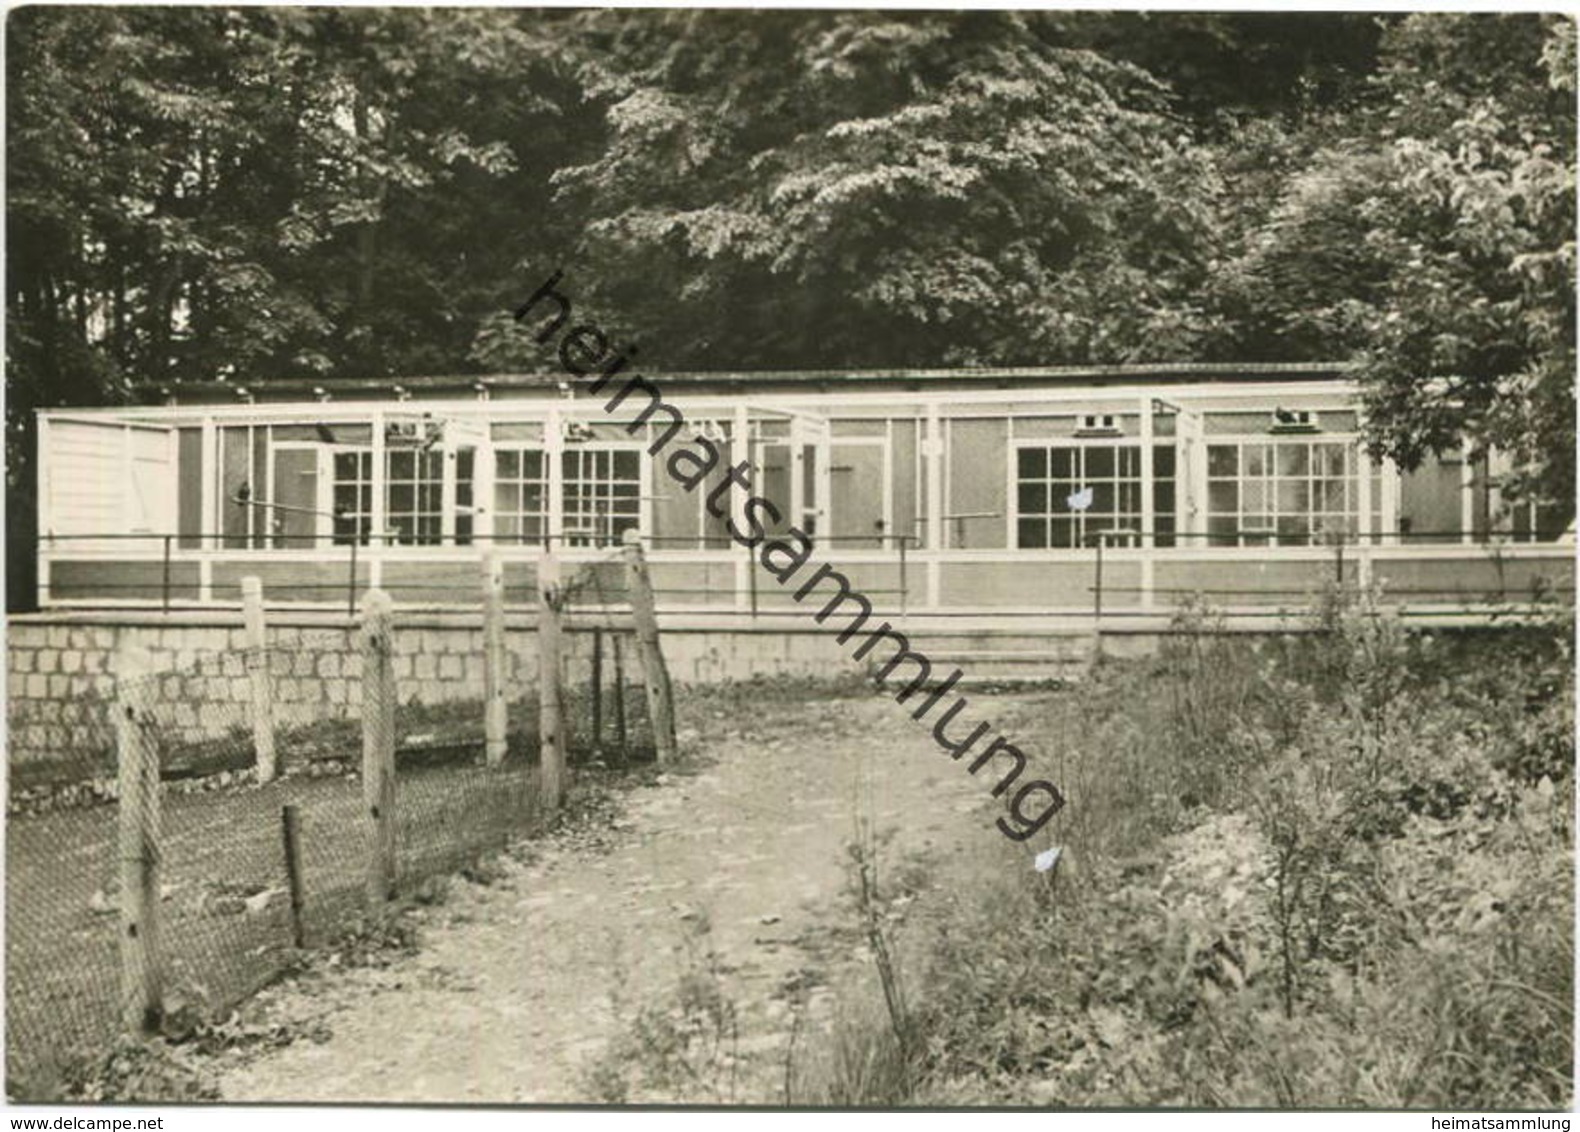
(184, 546)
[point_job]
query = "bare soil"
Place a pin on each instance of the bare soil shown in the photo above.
(520, 985)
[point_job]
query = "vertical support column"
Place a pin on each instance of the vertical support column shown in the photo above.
(378, 745)
(43, 548)
(1363, 505)
(379, 520)
(1467, 500)
(551, 747)
(655, 676)
(797, 465)
(495, 708)
(1391, 486)
(483, 472)
(553, 452)
(741, 449)
(142, 964)
(208, 509)
(934, 448)
(262, 685)
(1148, 508)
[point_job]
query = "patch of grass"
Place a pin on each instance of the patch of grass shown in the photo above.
(680, 1049)
(1333, 869)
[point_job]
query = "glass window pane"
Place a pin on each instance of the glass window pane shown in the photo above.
(1293, 497)
(1293, 526)
(1293, 459)
(1332, 495)
(1223, 460)
(1163, 461)
(1223, 498)
(1031, 463)
(1061, 532)
(1033, 499)
(1102, 499)
(1255, 458)
(1100, 463)
(1062, 463)
(1332, 459)
(1032, 533)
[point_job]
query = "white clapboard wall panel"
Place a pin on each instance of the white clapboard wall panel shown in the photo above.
(108, 479)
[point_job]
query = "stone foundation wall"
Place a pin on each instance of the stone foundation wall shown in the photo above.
(62, 679)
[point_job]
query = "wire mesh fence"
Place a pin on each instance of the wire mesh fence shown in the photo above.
(225, 907)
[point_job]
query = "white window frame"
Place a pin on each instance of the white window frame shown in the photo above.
(417, 482)
(520, 447)
(1360, 476)
(1012, 482)
(326, 491)
(565, 537)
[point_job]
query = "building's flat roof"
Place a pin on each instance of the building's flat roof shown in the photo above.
(1227, 372)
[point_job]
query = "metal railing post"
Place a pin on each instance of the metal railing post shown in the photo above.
(1097, 584)
(751, 574)
(904, 585)
(165, 581)
(351, 580)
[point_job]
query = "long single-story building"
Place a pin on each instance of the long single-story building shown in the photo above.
(1013, 493)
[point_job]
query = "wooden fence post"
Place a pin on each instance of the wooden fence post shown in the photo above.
(262, 683)
(595, 678)
(619, 696)
(137, 751)
(655, 676)
(378, 744)
(495, 711)
(551, 747)
(291, 828)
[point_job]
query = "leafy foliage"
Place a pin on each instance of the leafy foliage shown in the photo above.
(1434, 242)
(1368, 902)
(254, 194)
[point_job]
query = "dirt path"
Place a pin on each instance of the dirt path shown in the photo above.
(513, 994)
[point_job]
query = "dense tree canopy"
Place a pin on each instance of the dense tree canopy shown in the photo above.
(263, 193)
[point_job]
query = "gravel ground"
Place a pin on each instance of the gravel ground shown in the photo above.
(520, 985)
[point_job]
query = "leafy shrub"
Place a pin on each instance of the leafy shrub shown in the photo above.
(1332, 869)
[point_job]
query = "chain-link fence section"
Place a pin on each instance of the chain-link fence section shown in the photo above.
(227, 921)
